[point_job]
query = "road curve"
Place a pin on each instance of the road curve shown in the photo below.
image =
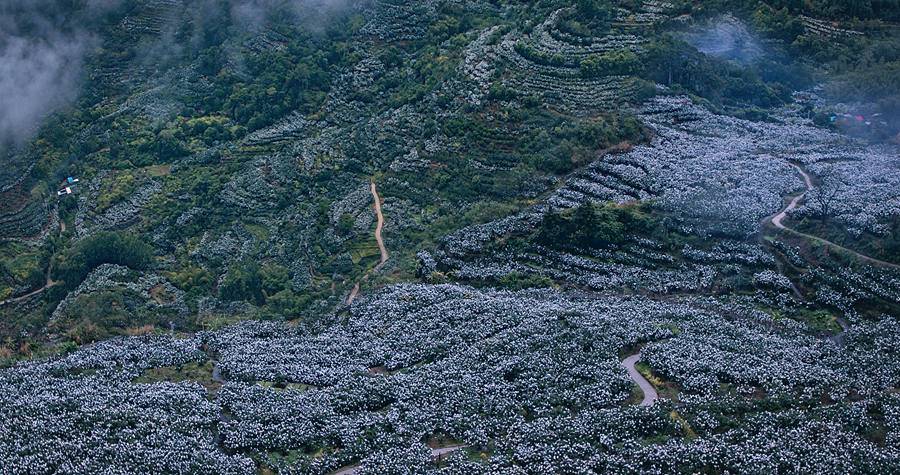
(49, 283)
(778, 218)
(650, 395)
(29, 294)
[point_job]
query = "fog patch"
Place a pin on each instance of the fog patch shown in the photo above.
(37, 77)
(314, 14)
(726, 37)
(42, 52)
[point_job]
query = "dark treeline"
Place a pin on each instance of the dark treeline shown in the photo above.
(844, 9)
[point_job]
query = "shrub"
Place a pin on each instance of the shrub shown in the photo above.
(616, 62)
(592, 226)
(243, 282)
(102, 248)
(519, 281)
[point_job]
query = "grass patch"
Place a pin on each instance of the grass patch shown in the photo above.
(675, 329)
(686, 428)
(364, 250)
(20, 262)
(195, 371)
(216, 322)
(158, 170)
(819, 320)
(884, 247)
(283, 386)
(258, 231)
(289, 458)
(666, 389)
(115, 188)
(436, 441)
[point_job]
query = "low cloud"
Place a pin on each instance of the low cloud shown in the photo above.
(728, 38)
(255, 14)
(37, 77)
(42, 51)
(43, 46)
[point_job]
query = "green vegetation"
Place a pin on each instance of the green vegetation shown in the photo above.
(665, 389)
(282, 386)
(840, 9)
(675, 63)
(103, 248)
(195, 371)
(519, 281)
(616, 62)
(861, 68)
(250, 220)
(589, 18)
(225, 165)
(820, 320)
(885, 246)
(243, 282)
(20, 264)
(592, 226)
(96, 316)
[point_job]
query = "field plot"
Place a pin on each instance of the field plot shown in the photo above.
(497, 371)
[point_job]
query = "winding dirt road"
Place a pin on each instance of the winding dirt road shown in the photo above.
(650, 395)
(378, 227)
(778, 218)
(217, 374)
(378, 239)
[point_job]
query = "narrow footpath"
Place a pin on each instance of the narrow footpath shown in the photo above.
(378, 227)
(47, 283)
(437, 454)
(378, 239)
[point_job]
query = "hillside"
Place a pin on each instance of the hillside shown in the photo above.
(450, 236)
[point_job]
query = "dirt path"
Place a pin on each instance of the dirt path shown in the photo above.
(49, 283)
(441, 451)
(650, 395)
(354, 292)
(347, 470)
(379, 226)
(840, 337)
(217, 374)
(778, 218)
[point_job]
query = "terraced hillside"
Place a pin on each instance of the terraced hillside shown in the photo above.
(456, 236)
